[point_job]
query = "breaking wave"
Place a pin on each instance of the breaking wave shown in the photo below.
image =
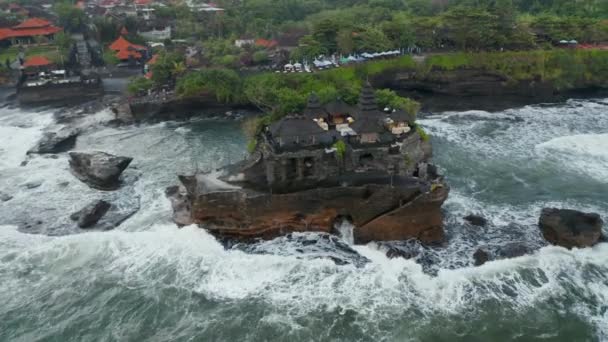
(87, 278)
(584, 153)
(149, 280)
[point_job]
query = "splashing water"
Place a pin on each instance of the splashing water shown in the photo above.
(346, 231)
(149, 280)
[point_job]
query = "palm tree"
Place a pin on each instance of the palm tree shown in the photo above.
(178, 68)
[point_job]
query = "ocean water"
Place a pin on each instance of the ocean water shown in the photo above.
(150, 281)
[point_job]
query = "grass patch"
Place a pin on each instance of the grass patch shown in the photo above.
(422, 133)
(49, 51)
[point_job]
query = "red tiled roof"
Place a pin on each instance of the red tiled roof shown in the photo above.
(35, 32)
(122, 44)
(266, 43)
(5, 33)
(33, 23)
(29, 28)
(142, 2)
(36, 61)
(153, 60)
(126, 53)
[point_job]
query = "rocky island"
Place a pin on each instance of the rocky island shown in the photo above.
(312, 170)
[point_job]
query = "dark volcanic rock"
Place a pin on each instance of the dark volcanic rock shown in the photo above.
(508, 251)
(99, 170)
(393, 252)
(513, 250)
(91, 214)
(55, 142)
(570, 228)
(5, 197)
(476, 220)
(33, 184)
(481, 256)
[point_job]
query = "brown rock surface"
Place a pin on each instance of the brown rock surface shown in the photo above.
(383, 212)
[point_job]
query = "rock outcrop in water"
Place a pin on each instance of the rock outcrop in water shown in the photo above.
(312, 170)
(56, 142)
(476, 220)
(5, 197)
(91, 214)
(99, 170)
(507, 251)
(570, 228)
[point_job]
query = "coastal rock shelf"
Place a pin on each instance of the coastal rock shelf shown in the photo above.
(408, 209)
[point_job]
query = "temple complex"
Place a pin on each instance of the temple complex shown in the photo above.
(335, 141)
(309, 171)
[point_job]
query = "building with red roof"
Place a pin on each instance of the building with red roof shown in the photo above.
(265, 43)
(122, 44)
(127, 54)
(36, 61)
(28, 31)
(126, 50)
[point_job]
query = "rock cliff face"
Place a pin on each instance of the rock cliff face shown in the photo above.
(54, 93)
(408, 208)
(464, 82)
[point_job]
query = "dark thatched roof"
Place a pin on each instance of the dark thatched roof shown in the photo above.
(339, 107)
(314, 109)
(367, 105)
(400, 116)
(295, 126)
(368, 125)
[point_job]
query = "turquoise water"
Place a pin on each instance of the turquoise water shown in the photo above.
(150, 281)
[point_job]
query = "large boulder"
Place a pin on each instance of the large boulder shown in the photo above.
(476, 220)
(88, 216)
(55, 142)
(106, 214)
(98, 170)
(570, 228)
(481, 256)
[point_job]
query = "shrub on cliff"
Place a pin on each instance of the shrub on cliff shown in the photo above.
(390, 99)
(139, 85)
(283, 94)
(224, 84)
(167, 68)
(565, 69)
(422, 133)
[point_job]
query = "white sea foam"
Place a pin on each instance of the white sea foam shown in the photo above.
(182, 130)
(584, 153)
(19, 132)
(382, 288)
